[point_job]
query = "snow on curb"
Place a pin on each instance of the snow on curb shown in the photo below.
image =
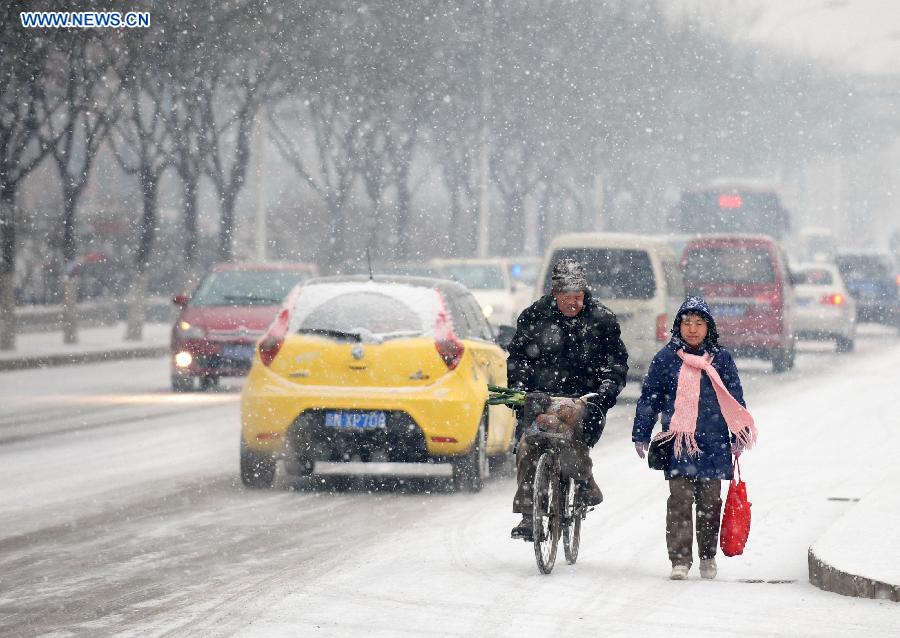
(854, 557)
(42, 361)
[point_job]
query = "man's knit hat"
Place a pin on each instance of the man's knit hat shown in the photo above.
(568, 275)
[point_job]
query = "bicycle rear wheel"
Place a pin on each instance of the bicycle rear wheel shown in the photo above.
(546, 512)
(571, 525)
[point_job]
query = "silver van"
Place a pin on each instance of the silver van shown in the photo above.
(637, 276)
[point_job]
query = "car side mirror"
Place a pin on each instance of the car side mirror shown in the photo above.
(505, 335)
(181, 300)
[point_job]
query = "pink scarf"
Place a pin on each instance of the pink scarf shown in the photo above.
(687, 397)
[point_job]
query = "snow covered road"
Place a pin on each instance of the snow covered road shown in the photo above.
(121, 514)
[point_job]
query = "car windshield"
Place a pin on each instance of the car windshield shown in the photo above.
(613, 273)
(863, 267)
(477, 276)
(731, 264)
(813, 276)
(361, 310)
(246, 287)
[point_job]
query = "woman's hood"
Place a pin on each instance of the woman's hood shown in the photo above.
(696, 305)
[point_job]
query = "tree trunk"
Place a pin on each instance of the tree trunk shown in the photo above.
(188, 273)
(336, 255)
(403, 199)
(226, 227)
(70, 308)
(137, 290)
(71, 276)
(134, 325)
(7, 269)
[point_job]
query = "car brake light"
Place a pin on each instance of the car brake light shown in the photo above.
(272, 341)
(730, 201)
(834, 299)
(447, 345)
(772, 299)
(662, 332)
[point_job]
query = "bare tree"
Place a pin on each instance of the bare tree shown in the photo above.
(328, 166)
(228, 124)
(25, 140)
(88, 92)
(143, 146)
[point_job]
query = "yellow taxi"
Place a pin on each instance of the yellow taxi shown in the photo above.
(380, 375)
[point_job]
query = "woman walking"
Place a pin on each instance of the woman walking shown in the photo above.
(694, 384)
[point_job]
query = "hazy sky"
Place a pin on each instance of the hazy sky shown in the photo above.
(863, 35)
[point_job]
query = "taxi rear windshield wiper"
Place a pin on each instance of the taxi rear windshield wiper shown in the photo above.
(328, 332)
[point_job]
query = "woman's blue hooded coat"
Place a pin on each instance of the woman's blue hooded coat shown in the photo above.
(658, 398)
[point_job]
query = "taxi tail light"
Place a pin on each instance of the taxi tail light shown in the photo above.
(834, 299)
(451, 351)
(662, 328)
(272, 341)
(447, 345)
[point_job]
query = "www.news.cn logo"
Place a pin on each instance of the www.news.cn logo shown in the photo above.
(84, 19)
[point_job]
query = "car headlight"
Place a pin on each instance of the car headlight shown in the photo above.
(183, 359)
(487, 309)
(187, 331)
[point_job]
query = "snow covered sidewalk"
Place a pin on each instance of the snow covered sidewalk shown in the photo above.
(107, 343)
(848, 444)
(858, 555)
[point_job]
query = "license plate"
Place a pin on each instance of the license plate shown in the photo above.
(238, 351)
(803, 301)
(727, 310)
(355, 421)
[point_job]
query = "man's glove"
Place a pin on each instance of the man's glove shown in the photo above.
(641, 448)
(569, 411)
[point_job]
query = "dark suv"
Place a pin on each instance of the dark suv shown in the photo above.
(871, 281)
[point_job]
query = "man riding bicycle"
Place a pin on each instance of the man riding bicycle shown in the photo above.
(566, 345)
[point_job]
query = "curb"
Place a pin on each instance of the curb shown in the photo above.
(25, 363)
(829, 578)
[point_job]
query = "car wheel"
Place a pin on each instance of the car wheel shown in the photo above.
(182, 383)
(208, 383)
(782, 360)
(843, 344)
(257, 468)
(471, 469)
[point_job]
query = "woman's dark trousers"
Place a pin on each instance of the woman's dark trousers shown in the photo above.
(683, 493)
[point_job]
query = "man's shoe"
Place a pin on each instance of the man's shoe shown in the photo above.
(708, 568)
(679, 572)
(524, 530)
(588, 492)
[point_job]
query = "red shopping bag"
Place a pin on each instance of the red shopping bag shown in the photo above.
(735, 517)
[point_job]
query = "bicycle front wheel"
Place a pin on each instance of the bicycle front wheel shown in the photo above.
(571, 525)
(546, 512)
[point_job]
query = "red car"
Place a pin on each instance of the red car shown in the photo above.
(746, 282)
(217, 328)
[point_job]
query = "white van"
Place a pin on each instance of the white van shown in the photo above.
(637, 276)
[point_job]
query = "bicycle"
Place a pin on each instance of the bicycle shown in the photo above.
(556, 512)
